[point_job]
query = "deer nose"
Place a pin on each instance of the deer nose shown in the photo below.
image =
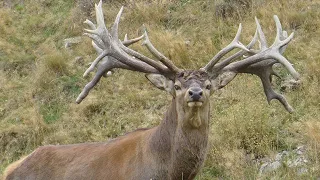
(195, 93)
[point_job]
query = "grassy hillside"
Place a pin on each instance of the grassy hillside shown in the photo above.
(40, 79)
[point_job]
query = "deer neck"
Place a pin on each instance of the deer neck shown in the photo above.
(181, 139)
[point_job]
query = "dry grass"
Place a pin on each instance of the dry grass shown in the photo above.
(39, 80)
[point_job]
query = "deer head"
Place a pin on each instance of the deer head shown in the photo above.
(190, 88)
(191, 91)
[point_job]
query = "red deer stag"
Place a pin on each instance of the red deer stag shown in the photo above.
(175, 149)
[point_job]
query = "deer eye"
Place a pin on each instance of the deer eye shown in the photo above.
(208, 86)
(176, 87)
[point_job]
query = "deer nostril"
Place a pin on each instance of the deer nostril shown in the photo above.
(190, 93)
(195, 94)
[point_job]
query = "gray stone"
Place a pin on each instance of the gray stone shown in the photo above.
(73, 40)
(293, 159)
(302, 171)
(269, 166)
(281, 155)
(300, 150)
(300, 161)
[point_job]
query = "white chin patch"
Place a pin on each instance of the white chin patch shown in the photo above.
(194, 104)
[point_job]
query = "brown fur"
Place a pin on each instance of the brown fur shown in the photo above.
(12, 167)
(175, 149)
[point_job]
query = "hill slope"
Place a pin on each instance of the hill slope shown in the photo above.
(40, 79)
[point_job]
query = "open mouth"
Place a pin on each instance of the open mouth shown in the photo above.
(195, 103)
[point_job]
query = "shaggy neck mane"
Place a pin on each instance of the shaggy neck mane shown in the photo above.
(180, 144)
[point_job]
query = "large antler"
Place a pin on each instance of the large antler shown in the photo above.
(114, 54)
(258, 62)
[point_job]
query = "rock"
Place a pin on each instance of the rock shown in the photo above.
(302, 171)
(300, 161)
(74, 40)
(187, 42)
(300, 150)
(269, 166)
(293, 159)
(275, 165)
(107, 74)
(280, 156)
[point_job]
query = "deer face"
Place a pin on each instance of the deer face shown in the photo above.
(192, 88)
(191, 91)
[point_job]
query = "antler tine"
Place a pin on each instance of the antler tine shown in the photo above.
(260, 63)
(262, 38)
(281, 35)
(96, 47)
(99, 15)
(114, 54)
(157, 54)
(112, 43)
(283, 60)
(273, 52)
(160, 67)
(279, 30)
(90, 23)
(114, 33)
(114, 29)
(96, 39)
(234, 44)
(107, 64)
(269, 92)
(128, 42)
(102, 53)
(237, 55)
(95, 62)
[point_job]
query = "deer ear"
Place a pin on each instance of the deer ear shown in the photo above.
(161, 82)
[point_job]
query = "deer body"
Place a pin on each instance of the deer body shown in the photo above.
(168, 151)
(176, 149)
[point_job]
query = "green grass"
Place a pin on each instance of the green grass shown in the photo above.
(40, 80)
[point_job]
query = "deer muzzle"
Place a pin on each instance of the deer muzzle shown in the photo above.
(195, 96)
